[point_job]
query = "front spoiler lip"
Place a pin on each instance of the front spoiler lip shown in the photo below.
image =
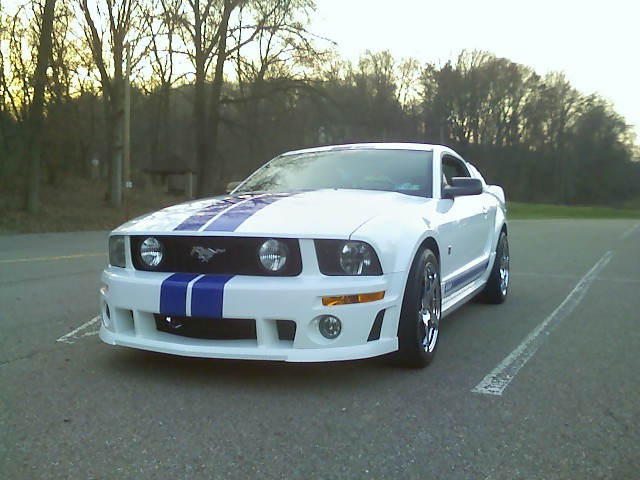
(204, 349)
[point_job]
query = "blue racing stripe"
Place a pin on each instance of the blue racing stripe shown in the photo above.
(173, 294)
(234, 217)
(465, 279)
(207, 295)
(200, 218)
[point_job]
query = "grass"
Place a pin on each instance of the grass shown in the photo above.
(78, 205)
(530, 211)
(73, 206)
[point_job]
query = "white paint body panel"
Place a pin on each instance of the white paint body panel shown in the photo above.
(465, 230)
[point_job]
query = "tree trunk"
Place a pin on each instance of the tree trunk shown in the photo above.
(207, 143)
(218, 80)
(200, 120)
(36, 113)
(116, 120)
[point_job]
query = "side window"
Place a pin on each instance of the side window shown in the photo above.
(452, 167)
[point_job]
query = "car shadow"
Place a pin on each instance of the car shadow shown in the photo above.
(169, 368)
(131, 363)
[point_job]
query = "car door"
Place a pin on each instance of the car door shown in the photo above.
(465, 232)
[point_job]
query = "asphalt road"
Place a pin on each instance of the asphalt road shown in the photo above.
(72, 407)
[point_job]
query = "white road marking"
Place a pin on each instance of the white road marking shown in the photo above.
(624, 280)
(73, 335)
(546, 275)
(629, 232)
(496, 381)
(89, 334)
(48, 259)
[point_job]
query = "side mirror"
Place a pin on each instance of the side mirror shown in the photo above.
(232, 186)
(462, 187)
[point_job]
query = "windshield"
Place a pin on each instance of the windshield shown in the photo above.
(403, 171)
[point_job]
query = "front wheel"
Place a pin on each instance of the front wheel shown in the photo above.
(419, 327)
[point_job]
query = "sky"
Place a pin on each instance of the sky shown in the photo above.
(595, 44)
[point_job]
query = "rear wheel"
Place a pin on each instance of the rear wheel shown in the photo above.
(497, 287)
(419, 327)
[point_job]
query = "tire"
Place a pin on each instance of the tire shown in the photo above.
(419, 327)
(497, 287)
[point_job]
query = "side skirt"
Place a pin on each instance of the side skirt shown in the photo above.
(459, 298)
(463, 294)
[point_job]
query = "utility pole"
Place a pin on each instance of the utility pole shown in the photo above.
(128, 184)
(442, 125)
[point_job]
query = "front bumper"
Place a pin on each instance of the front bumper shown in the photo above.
(130, 299)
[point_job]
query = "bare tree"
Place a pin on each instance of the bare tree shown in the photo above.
(21, 52)
(377, 87)
(66, 147)
(280, 68)
(161, 22)
(36, 115)
(205, 27)
(4, 114)
(214, 31)
(110, 40)
(408, 91)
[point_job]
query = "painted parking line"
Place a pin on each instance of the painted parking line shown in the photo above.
(59, 257)
(628, 233)
(552, 276)
(84, 330)
(500, 377)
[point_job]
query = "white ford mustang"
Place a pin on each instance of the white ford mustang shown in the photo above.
(324, 254)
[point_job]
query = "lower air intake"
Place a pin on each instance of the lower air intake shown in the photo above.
(207, 328)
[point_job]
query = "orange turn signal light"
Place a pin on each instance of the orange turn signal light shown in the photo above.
(349, 299)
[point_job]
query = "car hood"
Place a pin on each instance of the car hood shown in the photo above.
(316, 214)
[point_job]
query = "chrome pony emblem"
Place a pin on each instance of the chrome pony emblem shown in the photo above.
(206, 254)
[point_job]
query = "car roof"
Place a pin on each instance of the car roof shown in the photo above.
(366, 146)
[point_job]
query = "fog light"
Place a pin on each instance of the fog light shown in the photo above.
(330, 326)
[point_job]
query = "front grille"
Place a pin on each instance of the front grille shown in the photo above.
(216, 255)
(207, 328)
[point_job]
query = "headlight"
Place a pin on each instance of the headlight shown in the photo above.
(151, 252)
(339, 257)
(116, 251)
(355, 257)
(273, 255)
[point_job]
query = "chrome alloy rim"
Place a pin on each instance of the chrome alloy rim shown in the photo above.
(504, 269)
(430, 308)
